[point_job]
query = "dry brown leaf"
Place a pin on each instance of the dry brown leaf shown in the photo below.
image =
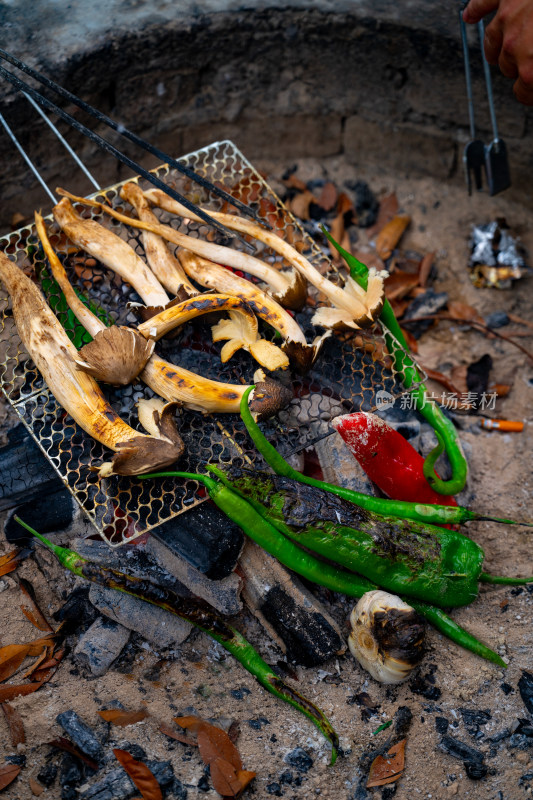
(8, 693)
(215, 743)
(226, 780)
(293, 182)
(299, 205)
(390, 235)
(11, 560)
(399, 284)
(122, 718)
(425, 268)
(328, 196)
(399, 307)
(142, 777)
(15, 724)
(388, 208)
(11, 657)
(8, 773)
(462, 311)
(65, 744)
(448, 384)
(337, 231)
(36, 788)
(30, 607)
(190, 723)
(344, 204)
(458, 376)
(180, 737)
(501, 389)
(410, 339)
(387, 769)
(45, 671)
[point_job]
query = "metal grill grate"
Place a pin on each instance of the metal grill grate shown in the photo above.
(346, 378)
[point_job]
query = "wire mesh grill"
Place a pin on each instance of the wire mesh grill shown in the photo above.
(348, 376)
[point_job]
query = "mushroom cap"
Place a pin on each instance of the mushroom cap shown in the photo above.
(268, 398)
(303, 356)
(116, 355)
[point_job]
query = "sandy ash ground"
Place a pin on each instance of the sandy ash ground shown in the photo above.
(200, 679)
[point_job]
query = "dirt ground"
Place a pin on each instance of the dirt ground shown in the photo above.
(200, 680)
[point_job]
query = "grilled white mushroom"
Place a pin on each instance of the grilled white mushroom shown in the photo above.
(387, 636)
(352, 306)
(55, 357)
(281, 287)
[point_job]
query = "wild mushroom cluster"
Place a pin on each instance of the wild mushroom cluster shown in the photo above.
(165, 282)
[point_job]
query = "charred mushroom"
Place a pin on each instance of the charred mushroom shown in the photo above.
(79, 394)
(387, 636)
(301, 354)
(280, 285)
(112, 251)
(240, 329)
(352, 307)
(117, 354)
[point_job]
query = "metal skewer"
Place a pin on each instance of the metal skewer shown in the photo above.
(164, 157)
(107, 146)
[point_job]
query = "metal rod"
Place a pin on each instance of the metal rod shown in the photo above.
(63, 141)
(27, 159)
(488, 81)
(164, 157)
(108, 147)
(468, 77)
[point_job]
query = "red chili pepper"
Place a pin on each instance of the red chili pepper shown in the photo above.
(388, 459)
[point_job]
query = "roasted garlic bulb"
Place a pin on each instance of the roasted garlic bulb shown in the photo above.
(387, 636)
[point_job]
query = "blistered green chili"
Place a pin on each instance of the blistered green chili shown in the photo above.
(419, 512)
(201, 616)
(404, 364)
(258, 528)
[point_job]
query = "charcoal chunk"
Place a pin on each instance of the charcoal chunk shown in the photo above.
(365, 202)
(402, 721)
(461, 750)
(441, 725)
(473, 719)
(525, 687)
(70, 776)
(275, 789)
(525, 727)
(100, 646)
(475, 771)
(47, 774)
(80, 733)
(497, 319)
(299, 759)
(77, 611)
(424, 305)
(26, 475)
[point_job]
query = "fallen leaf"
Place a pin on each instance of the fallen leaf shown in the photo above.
(215, 743)
(45, 671)
(399, 284)
(299, 205)
(234, 731)
(11, 560)
(30, 607)
(8, 773)
(180, 737)
(501, 389)
(388, 208)
(36, 788)
(458, 376)
(399, 307)
(5, 559)
(11, 657)
(190, 723)
(141, 776)
(345, 205)
(328, 196)
(462, 311)
(387, 769)
(293, 182)
(122, 718)
(448, 384)
(425, 268)
(8, 693)
(15, 724)
(64, 744)
(390, 235)
(337, 231)
(226, 780)
(411, 341)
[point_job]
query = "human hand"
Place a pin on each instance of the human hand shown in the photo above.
(508, 40)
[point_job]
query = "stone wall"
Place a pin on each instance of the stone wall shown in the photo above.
(307, 80)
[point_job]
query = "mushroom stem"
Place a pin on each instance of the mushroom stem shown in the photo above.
(79, 394)
(112, 251)
(215, 252)
(163, 264)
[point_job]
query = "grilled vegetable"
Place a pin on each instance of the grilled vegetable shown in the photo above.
(419, 512)
(387, 636)
(202, 616)
(255, 524)
(112, 251)
(425, 562)
(79, 394)
(301, 354)
(113, 356)
(281, 287)
(163, 264)
(240, 329)
(351, 306)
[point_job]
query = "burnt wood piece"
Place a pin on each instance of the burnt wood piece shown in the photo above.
(25, 474)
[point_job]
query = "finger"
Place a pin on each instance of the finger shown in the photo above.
(477, 9)
(523, 92)
(507, 64)
(492, 42)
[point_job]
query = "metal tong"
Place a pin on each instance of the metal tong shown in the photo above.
(476, 156)
(39, 102)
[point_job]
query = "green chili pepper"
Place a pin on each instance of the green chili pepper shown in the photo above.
(442, 426)
(420, 512)
(435, 565)
(308, 566)
(202, 616)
